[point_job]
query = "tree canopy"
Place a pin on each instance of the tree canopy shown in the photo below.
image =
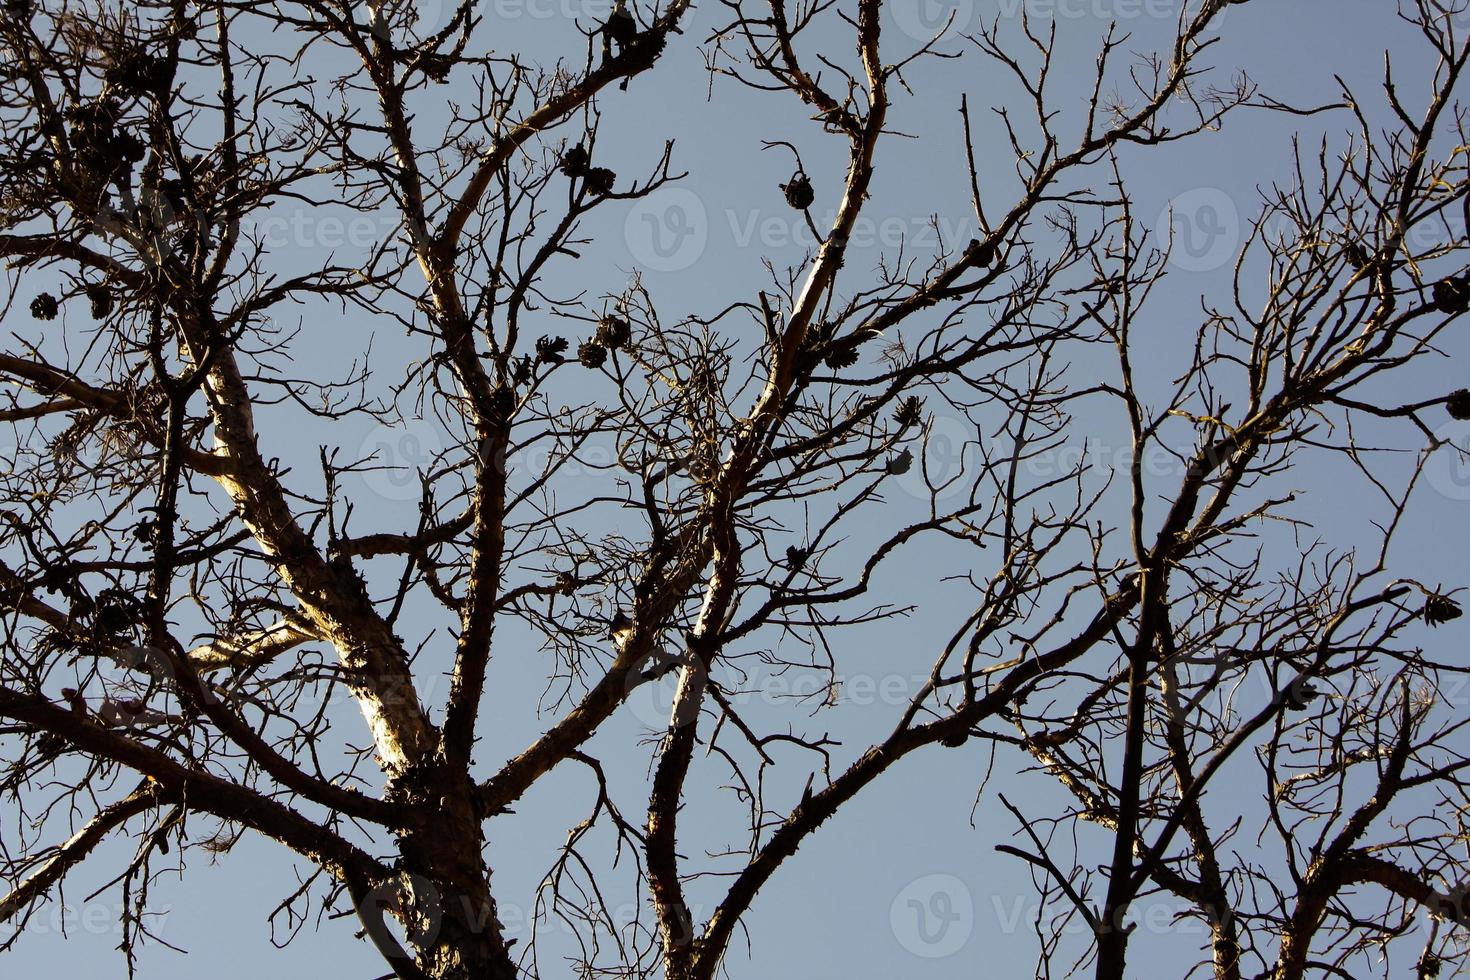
(594, 531)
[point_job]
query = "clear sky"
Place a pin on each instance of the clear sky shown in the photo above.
(904, 883)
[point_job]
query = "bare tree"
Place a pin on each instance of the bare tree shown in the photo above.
(181, 606)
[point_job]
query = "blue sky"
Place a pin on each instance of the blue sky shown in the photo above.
(904, 883)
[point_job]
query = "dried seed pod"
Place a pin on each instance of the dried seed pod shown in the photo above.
(841, 356)
(55, 641)
(796, 557)
(798, 191)
(955, 740)
(1440, 609)
(521, 373)
(909, 411)
(172, 190)
(1451, 296)
(136, 73)
(1356, 255)
(551, 350)
(57, 578)
(128, 148)
(45, 307)
(1458, 404)
(646, 48)
(591, 354)
(101, 299)
(613, 332)
(599, 180)
(818, 335)
(116, 612)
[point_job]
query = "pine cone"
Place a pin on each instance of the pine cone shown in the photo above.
(575, 161)
(128, 148)
(1451, 296)
(1356, 255)
(551, 350)
(101, 299)
(599, 180)
(591, 354)
(798, 191)
(136, 73)
(841, 356)
(909, 411)
(613, 332)
(57, 578)
(115, 613)
(1439, 609)
(45, 307)
(521, 373)
(1458, 404)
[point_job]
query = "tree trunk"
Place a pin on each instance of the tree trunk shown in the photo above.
(453, 927)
